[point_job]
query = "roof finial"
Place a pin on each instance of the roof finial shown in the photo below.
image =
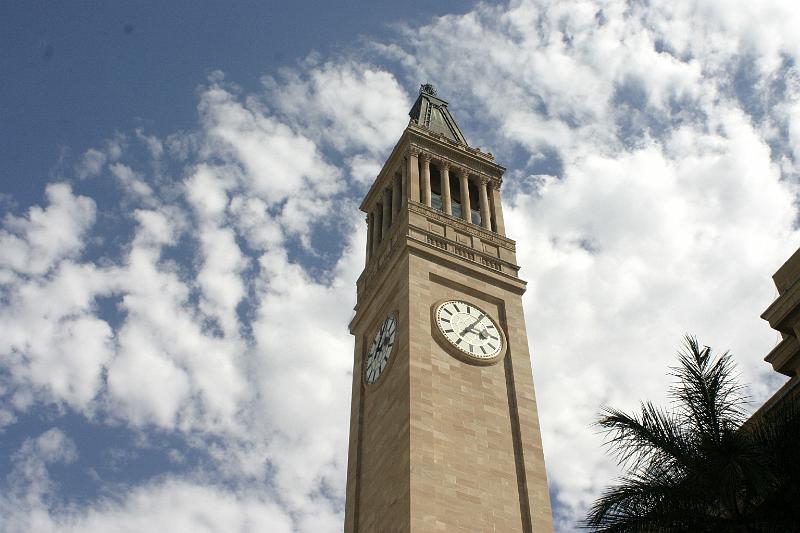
(427, 88)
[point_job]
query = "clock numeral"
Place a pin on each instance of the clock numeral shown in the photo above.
(445, 320)
(448, 331)
(458, 341)
(483, 351)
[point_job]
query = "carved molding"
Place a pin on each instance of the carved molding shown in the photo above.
(462, 170)
(470, 254)
(462, 225)
(471, 157)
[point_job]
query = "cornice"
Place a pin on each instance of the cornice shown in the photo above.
(443, 149)
(784, 307)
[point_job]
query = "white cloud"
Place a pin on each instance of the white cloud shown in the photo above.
(347, 105)
(304, 373)
(173, 505)
(277, 161)
(364, 169)
(35, 243)
(170, 370)
(92, 163)
(29, 480)
(50, 337)
(131, 181)
(184, 507)
(94, 160)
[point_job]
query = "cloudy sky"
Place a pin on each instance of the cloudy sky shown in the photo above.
(180, 235)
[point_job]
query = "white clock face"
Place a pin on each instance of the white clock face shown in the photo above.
(469, 329)
(381, 350)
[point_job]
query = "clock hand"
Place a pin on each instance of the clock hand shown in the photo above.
(471, 326)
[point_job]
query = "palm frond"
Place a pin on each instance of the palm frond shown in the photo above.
(695, 468)
(654, 436)
(707, 393)
(650, 501)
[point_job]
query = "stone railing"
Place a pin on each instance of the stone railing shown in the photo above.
(464, 252)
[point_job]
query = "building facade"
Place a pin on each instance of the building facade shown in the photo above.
(783, 316)
(444, 431)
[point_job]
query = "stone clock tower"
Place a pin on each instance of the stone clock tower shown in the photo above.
(444, 432)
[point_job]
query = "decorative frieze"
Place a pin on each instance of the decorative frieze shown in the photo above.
(461, 225)
(463, 252)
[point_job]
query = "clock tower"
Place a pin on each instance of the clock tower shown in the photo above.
(444, 431)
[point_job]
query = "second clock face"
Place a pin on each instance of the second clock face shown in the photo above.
(381, 350)
(469, 329)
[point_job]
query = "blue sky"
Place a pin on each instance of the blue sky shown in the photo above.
(84, 71)
(180, 235)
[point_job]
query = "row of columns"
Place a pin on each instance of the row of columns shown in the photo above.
(384, 215)
(410, 182)
(486, 209)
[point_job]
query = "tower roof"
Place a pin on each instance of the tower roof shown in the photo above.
(430, 112)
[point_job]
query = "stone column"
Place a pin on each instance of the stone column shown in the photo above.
(444, 172)
(376, 229)
(466, 210)
(426, 179)
(395, 197)
(369, 236)
(413, 174)
(404, 181)
(483, 197)
(497, 207)
(386, 215)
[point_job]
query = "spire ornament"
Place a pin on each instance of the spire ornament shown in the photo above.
(427, 88)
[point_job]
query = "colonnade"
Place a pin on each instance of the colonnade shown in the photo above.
(414, 181)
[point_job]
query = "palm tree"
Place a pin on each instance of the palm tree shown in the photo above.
(700, 467)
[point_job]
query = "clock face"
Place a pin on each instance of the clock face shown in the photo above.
(381, 350)
(469, 329)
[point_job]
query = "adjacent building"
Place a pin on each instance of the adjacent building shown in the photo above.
(784, 316)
